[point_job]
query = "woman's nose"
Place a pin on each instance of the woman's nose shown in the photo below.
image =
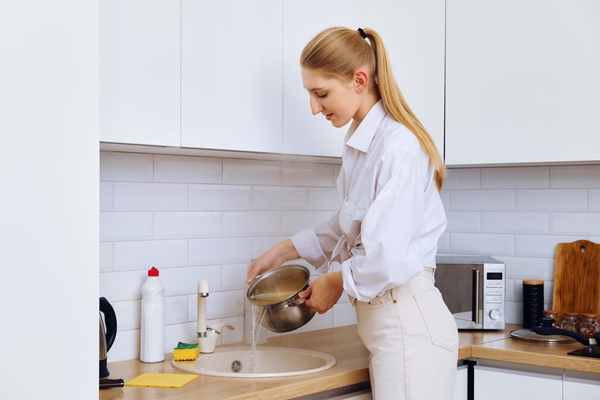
(315, 106)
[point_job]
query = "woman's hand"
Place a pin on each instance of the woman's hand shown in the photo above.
(324, 292)
(271, 259)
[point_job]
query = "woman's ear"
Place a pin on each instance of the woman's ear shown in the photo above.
(361, 80)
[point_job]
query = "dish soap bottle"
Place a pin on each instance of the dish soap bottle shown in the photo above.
(152, 334)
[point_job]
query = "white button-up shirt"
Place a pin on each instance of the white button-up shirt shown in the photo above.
(391, 213)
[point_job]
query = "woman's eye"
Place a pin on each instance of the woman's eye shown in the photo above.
(322, 96)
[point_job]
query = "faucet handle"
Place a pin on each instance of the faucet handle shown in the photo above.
(218, 327)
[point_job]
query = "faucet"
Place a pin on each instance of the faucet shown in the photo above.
(207, 334)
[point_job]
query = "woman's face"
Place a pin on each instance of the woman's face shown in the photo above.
(337, 100)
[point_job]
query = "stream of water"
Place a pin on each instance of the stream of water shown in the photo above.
(256, 326)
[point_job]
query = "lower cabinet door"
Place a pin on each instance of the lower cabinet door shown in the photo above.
(500, 384)
(461, 384)
(581, 385)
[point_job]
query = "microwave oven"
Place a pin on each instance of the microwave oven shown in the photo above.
(473, 288)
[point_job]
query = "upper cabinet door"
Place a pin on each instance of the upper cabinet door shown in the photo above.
(523, 81)
(232, 74)
(304, 133)
(140, 71)
(414, 34)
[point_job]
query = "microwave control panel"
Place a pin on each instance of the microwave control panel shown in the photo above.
(493, 296)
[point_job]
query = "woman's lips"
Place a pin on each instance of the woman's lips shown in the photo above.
(329, 116)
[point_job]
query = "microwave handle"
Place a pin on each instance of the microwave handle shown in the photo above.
(475, 297)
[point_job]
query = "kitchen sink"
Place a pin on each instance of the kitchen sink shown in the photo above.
(269, 362)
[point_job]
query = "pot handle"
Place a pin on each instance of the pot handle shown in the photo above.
(293, 303)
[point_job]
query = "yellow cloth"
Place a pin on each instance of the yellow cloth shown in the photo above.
(161, 380)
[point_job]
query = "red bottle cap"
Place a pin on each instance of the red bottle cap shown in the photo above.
(153, 272)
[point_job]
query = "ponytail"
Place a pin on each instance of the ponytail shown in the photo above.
(339, 52)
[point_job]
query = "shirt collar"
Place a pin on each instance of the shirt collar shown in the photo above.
(361, 136)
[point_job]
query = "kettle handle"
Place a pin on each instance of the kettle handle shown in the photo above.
(111, 321)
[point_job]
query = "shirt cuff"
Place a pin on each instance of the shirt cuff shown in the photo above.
(309, 248)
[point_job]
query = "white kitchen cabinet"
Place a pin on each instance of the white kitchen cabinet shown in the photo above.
(461, 385)
(518, 382)
(580, 385)
(522, 82)
(140, 70)
(414, 36)
(232, 74)
(304, 133)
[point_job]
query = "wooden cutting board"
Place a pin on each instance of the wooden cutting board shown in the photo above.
(577, 278)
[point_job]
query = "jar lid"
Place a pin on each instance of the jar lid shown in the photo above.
(589, 315)
(550, 312)
(571, 313)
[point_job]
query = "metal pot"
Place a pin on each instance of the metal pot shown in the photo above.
(275, 293)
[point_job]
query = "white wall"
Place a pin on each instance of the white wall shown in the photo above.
(49, 198)
(198, 217)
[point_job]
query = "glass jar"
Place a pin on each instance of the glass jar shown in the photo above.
(569, 322)
(588, 324)
(552, 314)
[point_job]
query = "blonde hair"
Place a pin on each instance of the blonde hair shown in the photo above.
(338, 52)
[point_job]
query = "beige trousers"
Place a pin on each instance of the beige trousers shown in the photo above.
(413, 341)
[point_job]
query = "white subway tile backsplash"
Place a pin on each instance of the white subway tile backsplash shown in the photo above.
(184, 225)
(220, 251)
(262, 244)
(463, 179)
(540, 245)
(463, 221)
(106, 196)
(575, 223)
(118, 226)
(517, 177)
(594, 200)
(251, 223)
(482, 243)
(323, 199)
(294, 221)
(307, 174)
(128, 314)
(234, 276)
(187, 169)
(515, 222)
(220, 197)
(196, 217)
(125, 167)
(251, 172)
(528, 268)
(175, 310)
(184, 281)
(482, 200)
(106, 257)
(279, 198)
(150, 196)
(551, 200)
(145, 254)
(577, 176)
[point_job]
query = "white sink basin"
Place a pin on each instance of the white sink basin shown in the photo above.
(270, 362)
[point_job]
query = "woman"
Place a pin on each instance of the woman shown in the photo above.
(385, 235)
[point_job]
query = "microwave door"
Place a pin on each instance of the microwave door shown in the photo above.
(459, 285)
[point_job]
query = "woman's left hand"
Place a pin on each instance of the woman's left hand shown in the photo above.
(324, 292)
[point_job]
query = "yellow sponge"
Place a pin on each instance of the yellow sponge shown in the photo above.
(185, 352)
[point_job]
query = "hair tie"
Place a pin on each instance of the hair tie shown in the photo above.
(362, 33)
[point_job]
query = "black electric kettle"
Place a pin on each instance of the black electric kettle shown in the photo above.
(108, 334)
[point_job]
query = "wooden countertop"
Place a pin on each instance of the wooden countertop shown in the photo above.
(351, 368)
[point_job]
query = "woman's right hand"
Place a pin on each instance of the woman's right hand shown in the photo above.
(271, 259)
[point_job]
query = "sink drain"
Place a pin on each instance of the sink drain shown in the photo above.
(236, 366)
